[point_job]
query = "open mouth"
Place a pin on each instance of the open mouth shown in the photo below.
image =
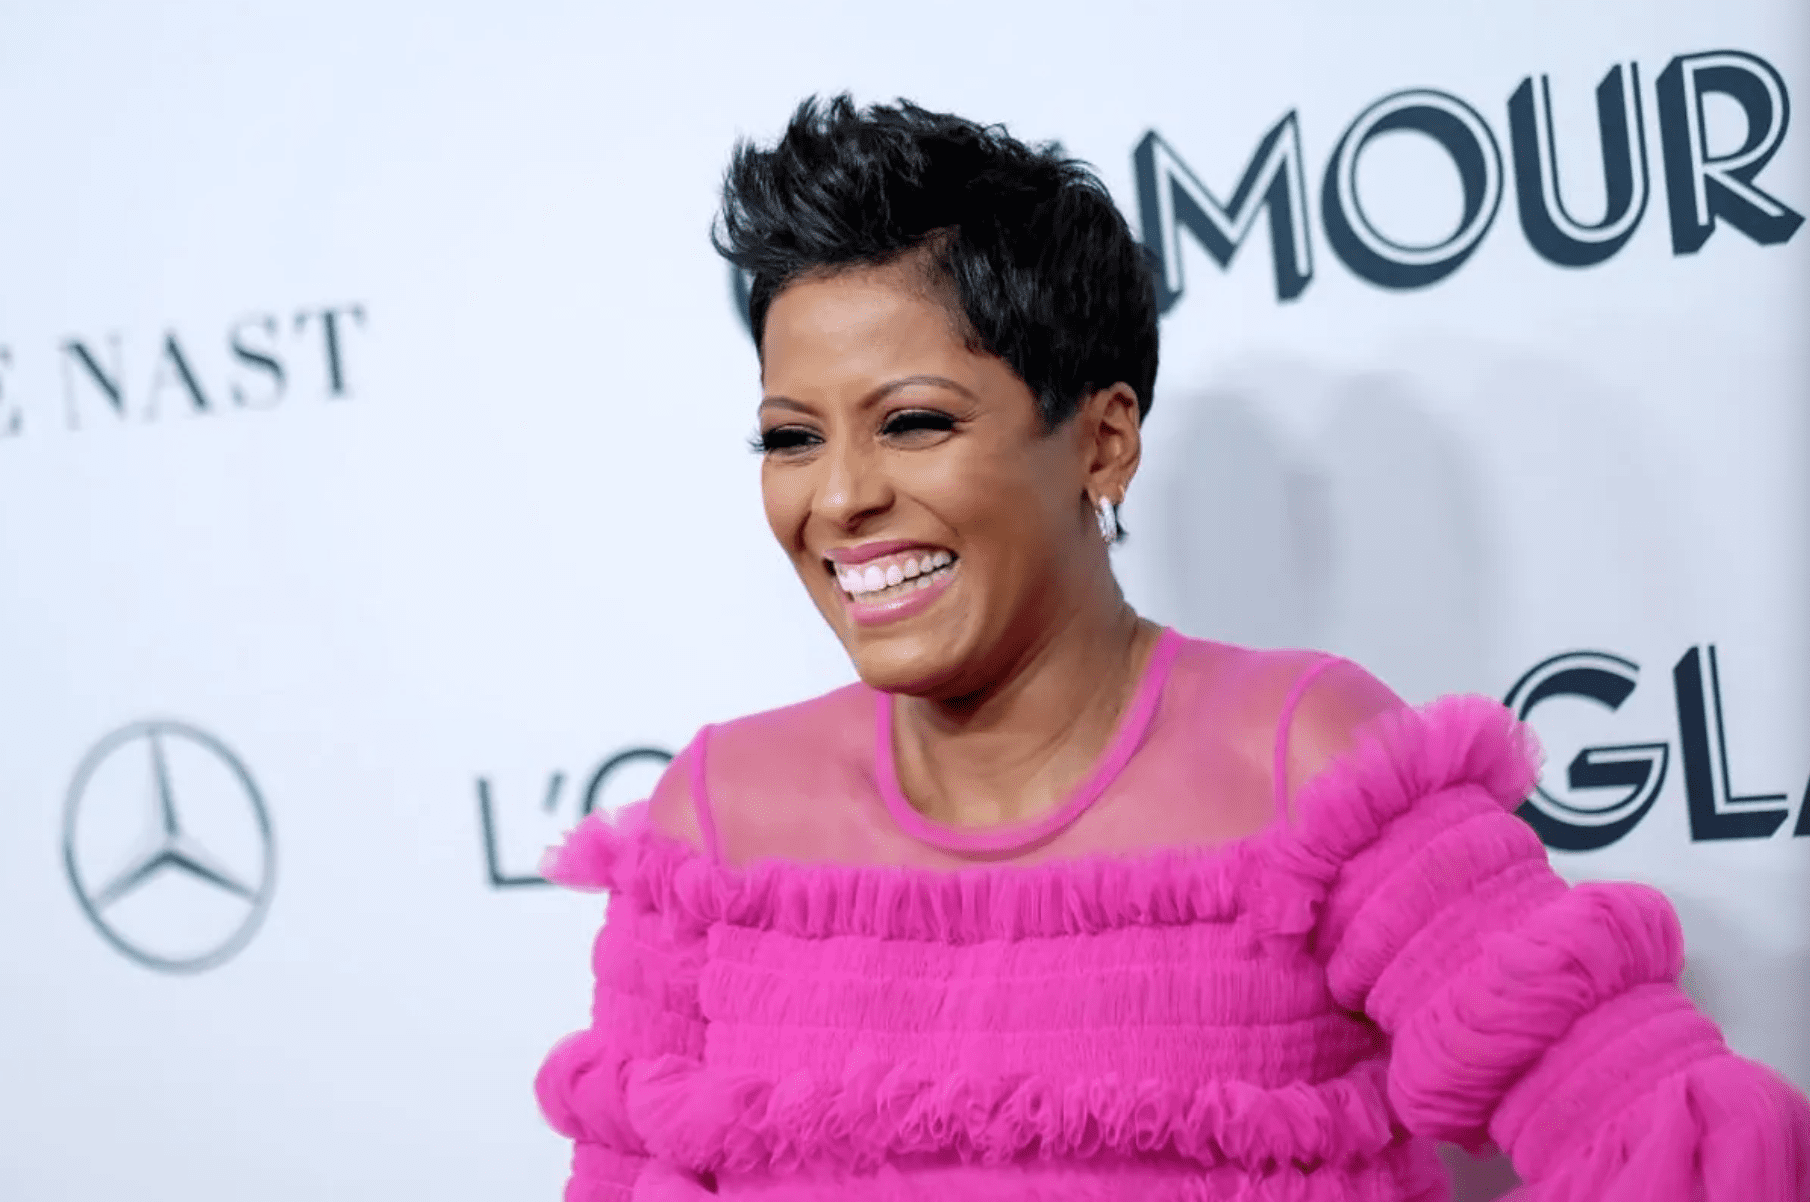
(892, 577)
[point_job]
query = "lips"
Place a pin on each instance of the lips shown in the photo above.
(862, 553)
(885, 582)
(886, 575)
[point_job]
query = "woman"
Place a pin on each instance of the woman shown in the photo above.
(1054, 903)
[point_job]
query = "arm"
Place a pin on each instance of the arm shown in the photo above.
(1541, 1017)
(645, 1004)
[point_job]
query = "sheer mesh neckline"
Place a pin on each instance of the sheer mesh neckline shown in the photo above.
(1133, 725)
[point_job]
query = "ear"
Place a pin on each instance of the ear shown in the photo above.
(1112, 440)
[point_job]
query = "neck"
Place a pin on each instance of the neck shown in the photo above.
(1012, 751)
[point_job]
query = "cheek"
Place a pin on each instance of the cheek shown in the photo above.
(973, 487)
(1007, 492)
(1000, 508)
(785, 496)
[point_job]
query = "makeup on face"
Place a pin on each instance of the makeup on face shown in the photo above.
(909, 478)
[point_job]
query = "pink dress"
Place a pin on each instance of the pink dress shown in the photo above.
(827, 995)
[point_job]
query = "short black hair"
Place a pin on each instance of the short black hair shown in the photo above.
(1046, 272)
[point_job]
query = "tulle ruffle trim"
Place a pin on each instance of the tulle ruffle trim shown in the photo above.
(1723, 1127)
(712, 1120)
(1459, 1054)
(1411, 1172)
(1397, 760)
(972, 905)
(1278, 877)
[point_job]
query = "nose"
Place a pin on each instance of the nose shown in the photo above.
(853, 488)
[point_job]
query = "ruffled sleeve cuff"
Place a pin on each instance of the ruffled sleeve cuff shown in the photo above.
(1641, 1101)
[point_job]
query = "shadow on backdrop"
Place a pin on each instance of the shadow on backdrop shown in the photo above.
(1360, 531)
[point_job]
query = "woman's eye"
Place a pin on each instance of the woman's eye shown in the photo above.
(781, 439)
(917, 421)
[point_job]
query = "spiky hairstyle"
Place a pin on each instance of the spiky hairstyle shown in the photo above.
(1024, 241)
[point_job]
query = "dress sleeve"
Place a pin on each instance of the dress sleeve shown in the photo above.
(1541, 1017)
(645, 1006)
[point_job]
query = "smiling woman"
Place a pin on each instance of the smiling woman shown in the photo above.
(891, 447)
(1054, 902)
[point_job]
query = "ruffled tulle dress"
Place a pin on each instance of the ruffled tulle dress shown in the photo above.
(805, 989)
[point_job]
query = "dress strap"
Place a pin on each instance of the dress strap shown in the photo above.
(1287, 719)
(700, 798)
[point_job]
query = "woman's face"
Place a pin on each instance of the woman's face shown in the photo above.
(940, 530)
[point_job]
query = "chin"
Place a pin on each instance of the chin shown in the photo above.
(931, 653)
(900, 665)
(916, 663)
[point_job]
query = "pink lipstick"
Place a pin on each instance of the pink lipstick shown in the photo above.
(845, 556)
(887, 581)
(906, 603)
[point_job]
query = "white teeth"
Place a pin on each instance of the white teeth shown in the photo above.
(907, 574)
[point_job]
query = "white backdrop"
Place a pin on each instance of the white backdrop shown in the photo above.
(371, 405)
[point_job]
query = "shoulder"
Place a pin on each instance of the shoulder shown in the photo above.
(1327, 711)
(1256, 679)
(1291, 712)
(747, 770)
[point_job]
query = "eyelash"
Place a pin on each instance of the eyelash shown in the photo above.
(905, 421)
(779, 438)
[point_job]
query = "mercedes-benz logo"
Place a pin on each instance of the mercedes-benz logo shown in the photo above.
(168, 846)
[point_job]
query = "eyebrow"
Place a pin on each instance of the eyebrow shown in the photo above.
(883, 391)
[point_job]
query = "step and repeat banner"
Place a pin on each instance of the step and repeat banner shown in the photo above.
(374, 499)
